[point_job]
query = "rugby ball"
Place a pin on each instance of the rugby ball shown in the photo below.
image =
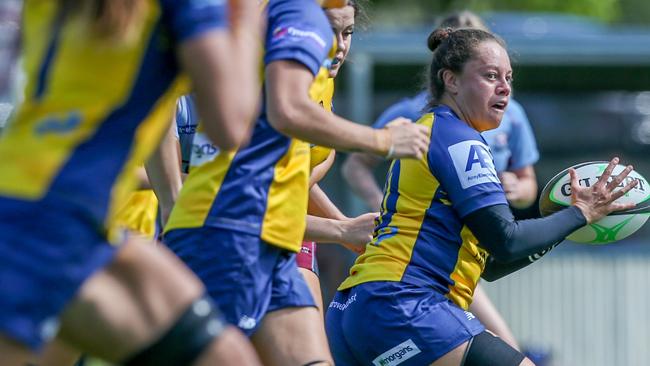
(556, 195)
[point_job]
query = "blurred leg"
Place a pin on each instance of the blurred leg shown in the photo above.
(292, 336)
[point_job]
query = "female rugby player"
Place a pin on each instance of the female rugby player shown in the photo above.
(513, 148)
(102, 79)
(445, 221)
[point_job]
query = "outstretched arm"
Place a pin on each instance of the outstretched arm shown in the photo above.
(164, 171)
(292, 112)
(357, 172)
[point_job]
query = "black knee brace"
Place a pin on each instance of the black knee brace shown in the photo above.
(487, 350)
(185, 340)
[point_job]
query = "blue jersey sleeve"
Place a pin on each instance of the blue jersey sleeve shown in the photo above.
(410, 108)
(521, 140)
(298, 31)
(188, 18)
(461, 161)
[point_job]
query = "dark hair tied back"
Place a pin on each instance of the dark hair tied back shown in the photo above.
(451, 50)
(437, 37)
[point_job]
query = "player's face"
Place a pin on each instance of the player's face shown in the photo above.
(483, 87)
(342, 21)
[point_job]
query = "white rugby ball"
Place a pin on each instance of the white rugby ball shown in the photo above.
(556, 195)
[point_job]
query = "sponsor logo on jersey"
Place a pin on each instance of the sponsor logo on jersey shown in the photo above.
(203, 150)
(59, 125)
(282, 32)
(340, 306)
(397, 354)
(469, 315)
(473, 163)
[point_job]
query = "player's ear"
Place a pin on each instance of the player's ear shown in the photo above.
(450, 81)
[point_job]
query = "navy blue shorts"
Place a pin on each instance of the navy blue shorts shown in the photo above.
(392, 323)
(246, 277)
(46, 253)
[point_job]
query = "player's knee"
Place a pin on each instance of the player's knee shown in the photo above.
(184, 342)
(486, 349)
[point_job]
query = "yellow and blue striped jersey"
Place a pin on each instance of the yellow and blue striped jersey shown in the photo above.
(420, 237)
(319, 154)
(139, 213)
(262, 188)
(94, 108)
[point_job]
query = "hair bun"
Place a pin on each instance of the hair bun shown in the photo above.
(437, 37)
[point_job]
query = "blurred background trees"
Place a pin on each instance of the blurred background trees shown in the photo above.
(397, 13)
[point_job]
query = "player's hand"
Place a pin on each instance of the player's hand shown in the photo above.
(404, 139)
(510, 184)
(597, 201)
(357, 232)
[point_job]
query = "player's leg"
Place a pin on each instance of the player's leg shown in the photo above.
(484, 349)
(13, 353)
(146, 305)
(292, 336)
(308, 267)
(313, 283)
(292, 331)
(488, 314)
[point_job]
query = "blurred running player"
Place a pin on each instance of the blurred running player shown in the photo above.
(328, 224)
(240, 217)
(102, 79)
(445, 221)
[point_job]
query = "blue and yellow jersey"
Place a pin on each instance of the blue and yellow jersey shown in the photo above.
(420, 238)
(262, 188)
(512, 144)
(319, 154)
(139, 213)
(94, 108)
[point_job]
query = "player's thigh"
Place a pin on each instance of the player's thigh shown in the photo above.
(231, 348)
(129, 303)
(58, 353)
(484, 349)
(292, 336)
(13, 353)
(313, 282)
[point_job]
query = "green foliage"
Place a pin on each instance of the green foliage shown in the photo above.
(611, 11)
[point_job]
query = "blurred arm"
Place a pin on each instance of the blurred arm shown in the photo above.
(321, 205)
(357, 172)
(520, 186)
(224, 68)
(164, 171)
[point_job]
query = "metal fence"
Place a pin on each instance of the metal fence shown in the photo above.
(587, 307)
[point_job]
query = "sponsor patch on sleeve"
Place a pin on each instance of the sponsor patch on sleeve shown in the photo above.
(473, 163)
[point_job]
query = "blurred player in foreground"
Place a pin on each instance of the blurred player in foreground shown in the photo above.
(102, 81)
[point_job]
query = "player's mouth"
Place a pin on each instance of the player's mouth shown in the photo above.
(500, 105)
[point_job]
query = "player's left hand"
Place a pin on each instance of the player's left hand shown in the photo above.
(357, 232)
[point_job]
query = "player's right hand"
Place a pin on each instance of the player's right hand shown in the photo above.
(597, 201)
(408, 140)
